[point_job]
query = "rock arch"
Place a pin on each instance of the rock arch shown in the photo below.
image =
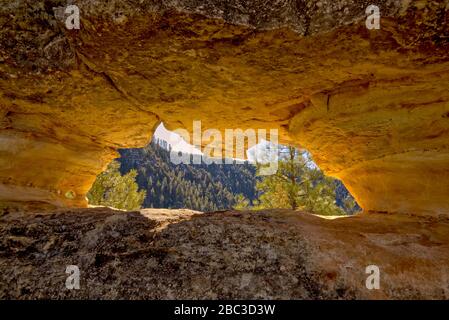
(372, 106)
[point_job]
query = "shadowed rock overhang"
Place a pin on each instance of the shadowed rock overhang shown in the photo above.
(372, 106)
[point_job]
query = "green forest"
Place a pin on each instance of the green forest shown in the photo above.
(146, 178)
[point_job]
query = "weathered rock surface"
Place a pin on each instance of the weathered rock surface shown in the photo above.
(180, 254)
(371, 105)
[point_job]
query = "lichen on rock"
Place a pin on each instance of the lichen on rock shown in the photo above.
(182, 254)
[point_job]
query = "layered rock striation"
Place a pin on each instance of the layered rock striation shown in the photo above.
(372, 106)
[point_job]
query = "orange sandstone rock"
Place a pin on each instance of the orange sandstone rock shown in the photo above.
(371, 105)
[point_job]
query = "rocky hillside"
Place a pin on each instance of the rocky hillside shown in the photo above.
(203, 187)
(200, 187)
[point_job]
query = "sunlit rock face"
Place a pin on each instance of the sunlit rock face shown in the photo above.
(372, 106)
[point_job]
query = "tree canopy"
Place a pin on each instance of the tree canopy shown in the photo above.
(299, 184)
(115, 190)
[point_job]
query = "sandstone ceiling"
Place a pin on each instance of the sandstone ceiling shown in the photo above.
(372, 106)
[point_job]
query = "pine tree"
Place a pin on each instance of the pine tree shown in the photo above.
(241, 203)
(217, 187)
(117, 191)
(297, 184)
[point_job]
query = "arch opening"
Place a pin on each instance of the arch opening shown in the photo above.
(149, 178)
